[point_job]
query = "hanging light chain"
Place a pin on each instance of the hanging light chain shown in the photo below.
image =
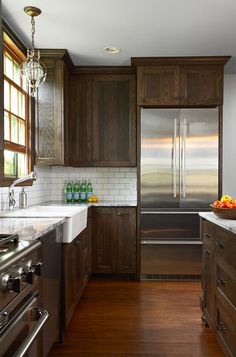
(32, 31)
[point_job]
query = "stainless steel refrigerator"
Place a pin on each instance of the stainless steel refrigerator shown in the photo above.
(178, 177)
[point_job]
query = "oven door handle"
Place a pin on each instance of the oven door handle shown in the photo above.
(43, 316)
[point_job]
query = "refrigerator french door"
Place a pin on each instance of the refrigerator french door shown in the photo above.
(179, 158)
(178, 177)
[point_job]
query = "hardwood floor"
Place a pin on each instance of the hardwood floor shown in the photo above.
(147, 319)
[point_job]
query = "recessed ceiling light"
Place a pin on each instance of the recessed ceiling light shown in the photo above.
(112, 50)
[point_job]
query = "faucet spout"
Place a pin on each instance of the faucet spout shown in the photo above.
(12, 201)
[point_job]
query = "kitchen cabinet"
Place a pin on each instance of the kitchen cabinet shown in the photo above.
(114, 240)
(176, 81)
(102, 116)
(80, 120)
(77, 269)
(51, 286)
(208, 274)
(219, 289)
(52, 110)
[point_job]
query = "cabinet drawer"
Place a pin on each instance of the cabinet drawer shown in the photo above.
(225, 324)
(226, 279)
(225, 244)
(207, 234)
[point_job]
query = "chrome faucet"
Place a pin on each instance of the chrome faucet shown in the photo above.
(12, 201)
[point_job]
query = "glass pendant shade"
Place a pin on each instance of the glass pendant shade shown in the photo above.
(33, 72)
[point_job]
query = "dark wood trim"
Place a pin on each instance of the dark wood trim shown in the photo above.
(220, 173)
(103, 70)
(138, 191)
(13, 35)
(61, 54)
(160, 61)
(1, 101)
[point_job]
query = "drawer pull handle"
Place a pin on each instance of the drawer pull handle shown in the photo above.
(220, 281)
(221, 327)
(220, 245)
(206, 251)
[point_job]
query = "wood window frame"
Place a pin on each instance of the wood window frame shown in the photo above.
(18, 51)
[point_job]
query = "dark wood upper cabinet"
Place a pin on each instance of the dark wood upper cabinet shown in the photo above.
(180, 81)
(158, 85)
(102, 124)
(52, 110)
(114, 124)
(201, 85)
(80, 120)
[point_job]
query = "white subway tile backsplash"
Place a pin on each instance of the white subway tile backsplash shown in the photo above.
(110, 184)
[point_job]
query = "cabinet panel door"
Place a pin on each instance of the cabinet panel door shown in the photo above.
(208, 284)
(80, 128)
(201, 85)
(49, 131)
(126, 240)
(114, 120)
(70, 261)
(158, 85)
(104, 237)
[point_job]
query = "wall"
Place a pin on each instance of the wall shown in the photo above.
(110, 184)
(38, 193)
(229, 135)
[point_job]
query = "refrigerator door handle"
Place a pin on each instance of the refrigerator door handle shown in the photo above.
(183, 173)
(175, 160)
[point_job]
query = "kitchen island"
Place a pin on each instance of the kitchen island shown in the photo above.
(218, 298)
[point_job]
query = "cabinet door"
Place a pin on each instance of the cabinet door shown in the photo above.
(158, 85)
(71, 279)
(80, 128)
(114, 120)
(104, 238)
(208, 285)
(201, 85)
(126, 240)
(49, 131)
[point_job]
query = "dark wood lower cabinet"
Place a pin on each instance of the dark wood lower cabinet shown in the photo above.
(219, 284)
(114, 240)
(77, 269)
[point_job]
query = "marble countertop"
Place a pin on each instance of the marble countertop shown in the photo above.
(32, 228)
(99, 204)
(29, 228)
(228, 224)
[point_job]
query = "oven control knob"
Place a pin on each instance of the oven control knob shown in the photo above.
(28, 277)
(13, 284)
(37, 268)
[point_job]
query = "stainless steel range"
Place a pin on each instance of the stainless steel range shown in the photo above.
(21, 315)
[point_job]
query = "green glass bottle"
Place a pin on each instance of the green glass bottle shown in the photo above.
(69, 195)
(83, 191)
(89, 189)
(76, 192)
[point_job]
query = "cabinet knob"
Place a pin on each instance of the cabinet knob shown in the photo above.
(221, 327)
(208, 235)
(220, 281)
(37, 268)
(220, 245)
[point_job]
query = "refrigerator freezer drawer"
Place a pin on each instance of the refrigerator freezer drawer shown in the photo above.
(169, 226)
(160, 261)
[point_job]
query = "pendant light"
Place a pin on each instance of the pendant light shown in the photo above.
(33, 71)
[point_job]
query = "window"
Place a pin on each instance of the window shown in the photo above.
(16, 113)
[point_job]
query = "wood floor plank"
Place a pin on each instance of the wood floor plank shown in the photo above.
(147, 319)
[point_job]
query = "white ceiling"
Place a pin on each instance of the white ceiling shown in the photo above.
(139, 27)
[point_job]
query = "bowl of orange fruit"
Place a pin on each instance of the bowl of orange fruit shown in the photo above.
(225, 208)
